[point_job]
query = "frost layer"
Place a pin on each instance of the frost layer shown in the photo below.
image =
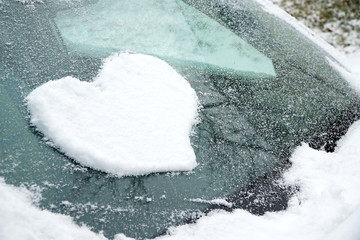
(134, 118)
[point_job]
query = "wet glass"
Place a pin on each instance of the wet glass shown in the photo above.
(264, 88)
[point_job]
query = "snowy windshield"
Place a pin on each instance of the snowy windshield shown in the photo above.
(262, 88)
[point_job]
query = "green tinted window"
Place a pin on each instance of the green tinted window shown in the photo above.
(168, 29)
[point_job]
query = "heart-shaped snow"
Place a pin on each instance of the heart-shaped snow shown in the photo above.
(135, 118)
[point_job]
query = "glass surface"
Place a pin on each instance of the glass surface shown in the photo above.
(254, 111)
(168, 29)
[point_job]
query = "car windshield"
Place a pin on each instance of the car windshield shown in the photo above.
(263, 89)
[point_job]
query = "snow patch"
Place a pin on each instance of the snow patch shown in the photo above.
(352, 62)
(135, 118)
(216, 201)
(327, 206)
(20, 219)
(352, 77)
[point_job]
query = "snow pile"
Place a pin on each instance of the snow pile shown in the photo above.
(134, 118)
(20, 219)
(329, 194)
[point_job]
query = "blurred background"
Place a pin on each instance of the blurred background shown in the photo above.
(336, 21)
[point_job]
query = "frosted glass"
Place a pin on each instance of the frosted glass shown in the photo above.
(167, 29)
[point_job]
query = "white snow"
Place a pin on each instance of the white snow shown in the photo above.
(352, 62)
(327, 206)
(134, 118)
(349, 229)
(216, 201)
(347, 74)
(20, 219)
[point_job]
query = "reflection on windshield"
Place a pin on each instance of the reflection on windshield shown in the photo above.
(167, 29)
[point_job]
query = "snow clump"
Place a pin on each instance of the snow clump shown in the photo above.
(135, 118)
